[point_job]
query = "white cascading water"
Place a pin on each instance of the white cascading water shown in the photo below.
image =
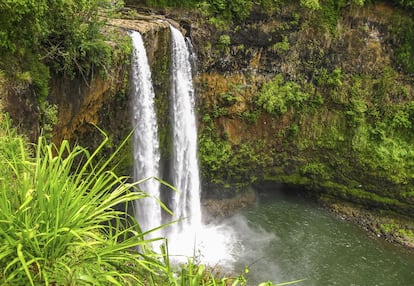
(214, 243)
(145, 141)
(185, 172)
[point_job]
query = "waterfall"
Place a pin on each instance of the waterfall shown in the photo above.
(185, 172)
(188, 235)
(211, 243)
(145, 139)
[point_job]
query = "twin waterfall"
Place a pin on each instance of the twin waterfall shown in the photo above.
(184, 172)
(145, 140)
(185, 165)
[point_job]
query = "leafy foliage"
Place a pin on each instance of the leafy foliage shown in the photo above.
(236, 10)
(73, 40)
(214, 155)
(281, 47)
(168, 3)
(223, 162)
(60, 227)
(406, 3)
(21, 24)
(311, 4)
(404, 28)
(39, 36)
(276, 96)
(224, 41)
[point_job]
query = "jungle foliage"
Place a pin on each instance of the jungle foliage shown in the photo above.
(40, 37)
(277, 96)
(313, 4)
(318, 118)
(62, 222)
(240, 9)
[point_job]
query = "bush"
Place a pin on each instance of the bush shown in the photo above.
(281, 47)
(276, 96)
(59, 222)
(224, 41)
(311, 4)
(67, 36)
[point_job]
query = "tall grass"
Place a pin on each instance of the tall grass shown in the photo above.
(59, 222)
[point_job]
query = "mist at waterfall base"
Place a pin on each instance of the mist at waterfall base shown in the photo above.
(220, 244)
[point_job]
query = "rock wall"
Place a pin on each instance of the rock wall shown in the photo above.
(103, 101)
(315, 98)
(19, 100)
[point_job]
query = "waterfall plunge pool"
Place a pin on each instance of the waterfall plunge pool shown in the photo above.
(286, 237)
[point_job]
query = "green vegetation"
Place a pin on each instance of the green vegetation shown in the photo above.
(224, 41)
(353, 143)
(396, 230)
(165, 3)
(223, 13)
(224, 163)
(282, 47)
(342, 128)
(61, 222)
(403, 28)
(240, 8)
(277, 96)
(237, 10)
(65, 36)
(59, 219)
(40, 39)
(406, 3)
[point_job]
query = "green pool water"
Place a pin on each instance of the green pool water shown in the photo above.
(286, 237)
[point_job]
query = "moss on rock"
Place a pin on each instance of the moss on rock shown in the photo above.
(331, 111)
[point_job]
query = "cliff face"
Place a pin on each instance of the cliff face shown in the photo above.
(320, 98)
(316, 98)
(19, 100)
(81, 105)
(103, 101)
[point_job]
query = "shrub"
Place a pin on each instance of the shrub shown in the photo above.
(401, 120)
(224, 41)
(59, 224)
(281, 47)
(276, 96)
(311, 4)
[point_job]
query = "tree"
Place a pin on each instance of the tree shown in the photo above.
(20, 24)
(65, 35)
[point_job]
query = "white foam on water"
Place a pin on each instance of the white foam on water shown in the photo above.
(224, 244)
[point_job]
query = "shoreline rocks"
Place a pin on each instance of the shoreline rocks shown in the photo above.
(394, 228)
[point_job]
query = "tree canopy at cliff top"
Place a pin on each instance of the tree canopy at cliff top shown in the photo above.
(223, 4)
(65, 35)
(43, 37)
